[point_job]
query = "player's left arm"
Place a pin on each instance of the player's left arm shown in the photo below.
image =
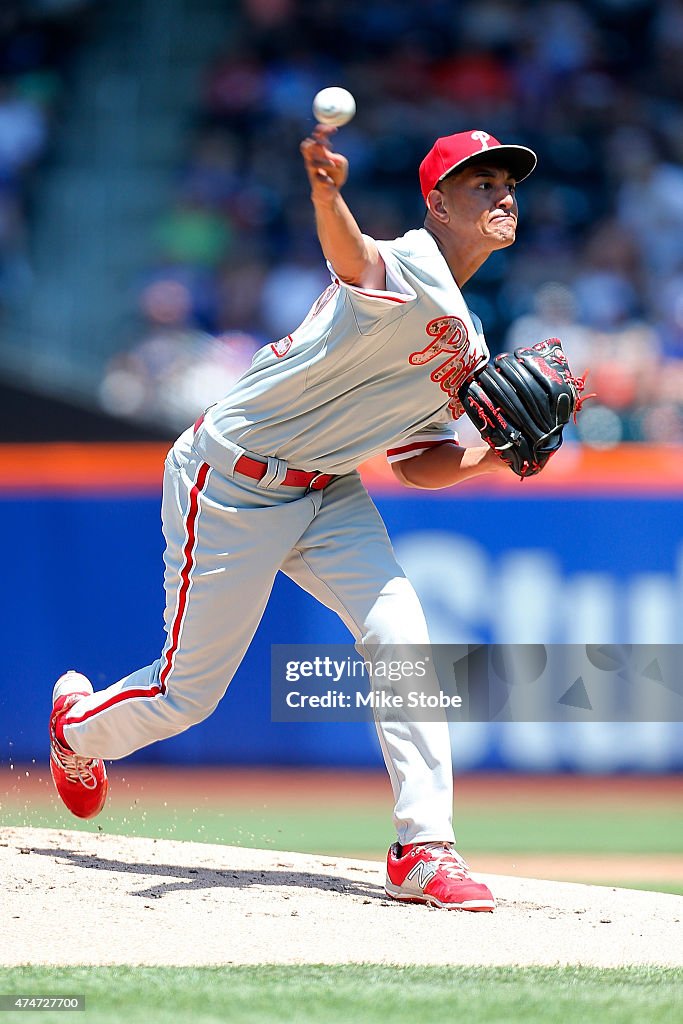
(446, 465)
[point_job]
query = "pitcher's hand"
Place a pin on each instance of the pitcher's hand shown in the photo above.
(327, 171)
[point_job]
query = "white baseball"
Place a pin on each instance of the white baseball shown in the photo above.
(334, 106)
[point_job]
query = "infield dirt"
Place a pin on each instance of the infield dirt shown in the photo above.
(76, 898)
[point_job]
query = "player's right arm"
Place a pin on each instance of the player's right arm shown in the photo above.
(353, 255)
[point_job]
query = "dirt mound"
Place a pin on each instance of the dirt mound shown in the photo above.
(80, 898)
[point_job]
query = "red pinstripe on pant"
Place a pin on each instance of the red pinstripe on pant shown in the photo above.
(178, 616)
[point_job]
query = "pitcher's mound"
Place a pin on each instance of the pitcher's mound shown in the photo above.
(79, 898)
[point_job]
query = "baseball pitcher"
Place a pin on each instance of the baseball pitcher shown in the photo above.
(267, 480)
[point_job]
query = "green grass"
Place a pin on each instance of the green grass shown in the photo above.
(369, 831)
(356, 994)
(672, 887)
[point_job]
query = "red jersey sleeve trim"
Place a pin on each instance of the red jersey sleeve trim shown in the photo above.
(407, 451)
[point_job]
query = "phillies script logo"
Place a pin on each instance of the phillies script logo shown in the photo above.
(450, 339)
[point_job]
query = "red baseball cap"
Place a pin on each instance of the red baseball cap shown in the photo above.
(454, 151)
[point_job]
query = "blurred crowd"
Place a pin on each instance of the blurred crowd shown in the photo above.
(36, 40)
(596, 87)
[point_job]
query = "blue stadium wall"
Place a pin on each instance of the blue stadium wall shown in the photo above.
(82, 588)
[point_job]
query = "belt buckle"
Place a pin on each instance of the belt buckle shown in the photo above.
(312, 481)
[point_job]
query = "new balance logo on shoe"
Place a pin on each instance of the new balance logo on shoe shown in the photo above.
(421, 874)
(436, 874)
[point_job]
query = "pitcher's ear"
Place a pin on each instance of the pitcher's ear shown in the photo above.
(436, 205)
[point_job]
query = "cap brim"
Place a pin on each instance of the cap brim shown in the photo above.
(520, 161)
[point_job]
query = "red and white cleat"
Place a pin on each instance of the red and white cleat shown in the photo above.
(81, 781)
(434, 873)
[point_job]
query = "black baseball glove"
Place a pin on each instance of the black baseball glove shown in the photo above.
(520, 402)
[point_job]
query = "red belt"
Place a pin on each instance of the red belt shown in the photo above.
(311, 481)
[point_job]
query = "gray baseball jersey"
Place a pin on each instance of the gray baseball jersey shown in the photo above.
(366, 372)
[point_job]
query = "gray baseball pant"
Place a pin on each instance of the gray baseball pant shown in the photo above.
(226, 538)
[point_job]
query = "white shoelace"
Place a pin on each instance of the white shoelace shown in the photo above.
(449, 859)
(77, 769)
